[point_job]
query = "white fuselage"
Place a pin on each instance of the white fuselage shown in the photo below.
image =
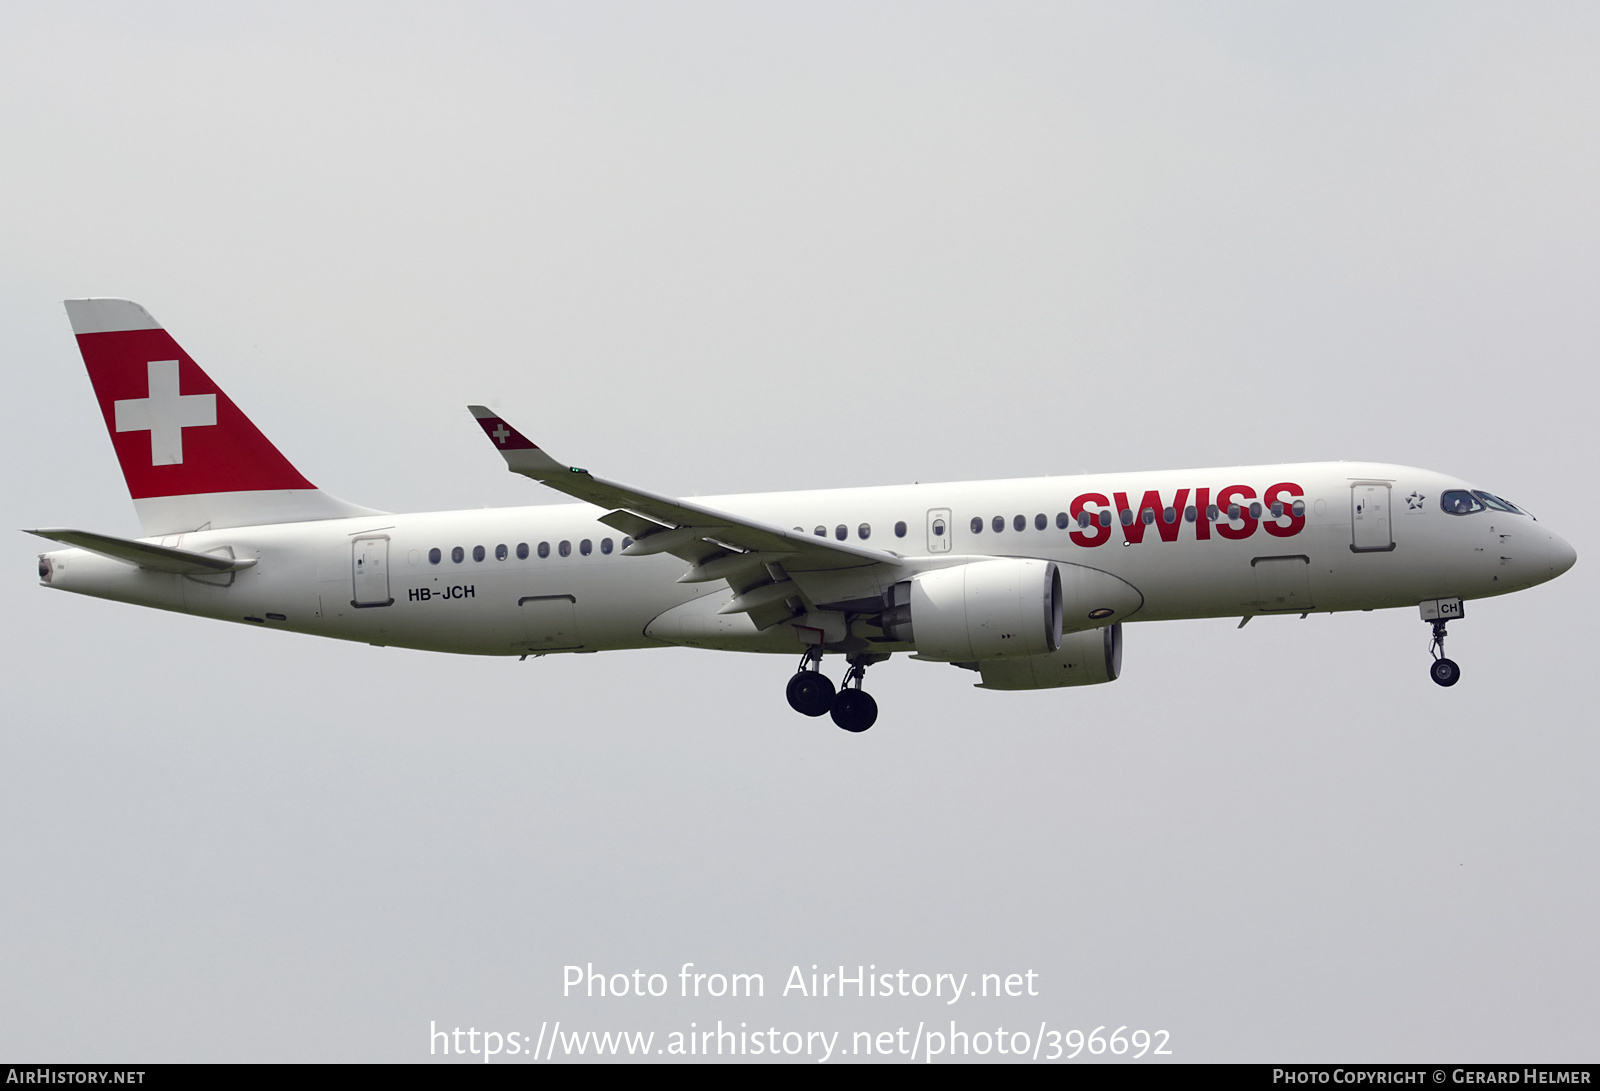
(1371, 536)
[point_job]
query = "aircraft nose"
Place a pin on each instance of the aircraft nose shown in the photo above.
(1562, 555)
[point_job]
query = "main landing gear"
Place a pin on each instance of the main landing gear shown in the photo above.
(1443, 671)
(812, 694)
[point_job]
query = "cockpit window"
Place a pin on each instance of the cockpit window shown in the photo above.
(1496, 503)
(1460, 502)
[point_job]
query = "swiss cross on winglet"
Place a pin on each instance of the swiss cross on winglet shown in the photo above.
(505, 437)
(522, 455)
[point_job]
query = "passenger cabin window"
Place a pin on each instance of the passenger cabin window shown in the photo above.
(458, 554)
(999, 523)
(477, 553)
(586, 547)
(1019, 523)
(841, 532)
(501, 552)
(434, 556)
(544, 550)
(821, 532)
(1460, 502)
(565, 549)
(522, 551)
(1061, 520)
(977, 524)
(605, 546)
(1190, 514)
(864, 531)
(900, 529)
(938, 528)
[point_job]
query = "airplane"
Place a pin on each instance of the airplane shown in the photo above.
(1026, 582)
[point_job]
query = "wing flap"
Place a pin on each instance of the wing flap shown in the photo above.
(632, 525)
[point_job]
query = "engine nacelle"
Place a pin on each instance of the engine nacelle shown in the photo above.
(1084, 659)
(1010, 606)
(956, 613)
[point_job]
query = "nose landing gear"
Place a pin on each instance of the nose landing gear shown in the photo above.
(1443, 671)
(811, 694)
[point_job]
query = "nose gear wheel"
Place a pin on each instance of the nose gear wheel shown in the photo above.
(1443, 671)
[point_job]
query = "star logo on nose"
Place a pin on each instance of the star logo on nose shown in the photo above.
(1414, 501)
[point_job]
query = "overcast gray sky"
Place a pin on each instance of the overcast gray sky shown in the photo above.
(716, 248)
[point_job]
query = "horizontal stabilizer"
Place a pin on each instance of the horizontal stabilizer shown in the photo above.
(156, 558)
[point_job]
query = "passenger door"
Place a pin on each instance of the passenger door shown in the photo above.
(1369, 519)
(369, 572)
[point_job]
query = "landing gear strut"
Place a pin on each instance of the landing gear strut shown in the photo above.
(810, 691)
(811, 694)
(1443, 671)
(853, 708)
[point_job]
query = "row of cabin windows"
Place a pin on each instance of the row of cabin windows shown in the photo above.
(1148, 516)
(864, 531)
(501, 552)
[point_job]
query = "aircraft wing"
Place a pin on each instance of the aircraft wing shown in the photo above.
(754, 557)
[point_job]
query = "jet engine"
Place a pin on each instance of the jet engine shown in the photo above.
(1084, 659)
(979, 610)
(1003, 608)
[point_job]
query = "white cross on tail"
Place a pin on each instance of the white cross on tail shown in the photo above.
(165, 413)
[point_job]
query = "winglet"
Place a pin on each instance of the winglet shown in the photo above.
(522, 455)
